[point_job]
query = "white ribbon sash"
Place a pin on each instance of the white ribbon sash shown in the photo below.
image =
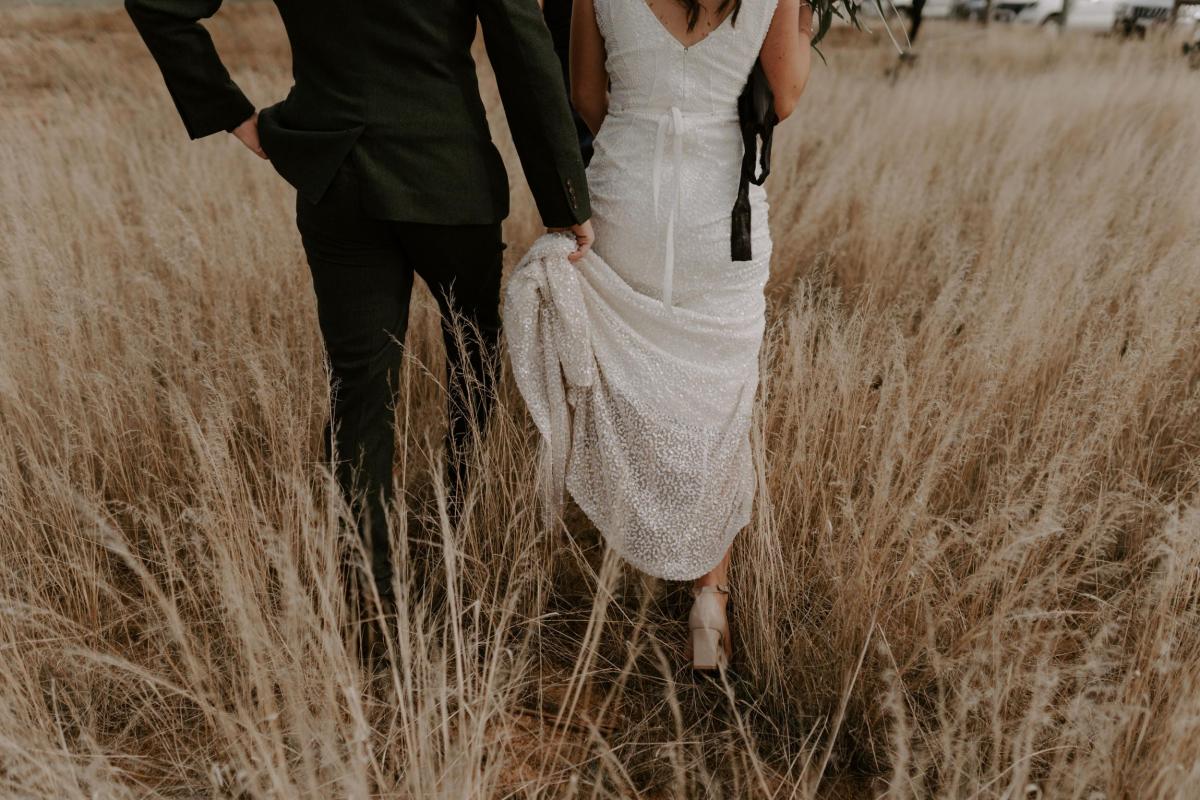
(677, 123)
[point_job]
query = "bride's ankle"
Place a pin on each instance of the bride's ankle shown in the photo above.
(717, 581)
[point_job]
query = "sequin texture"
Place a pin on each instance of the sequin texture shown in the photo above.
(640, 363)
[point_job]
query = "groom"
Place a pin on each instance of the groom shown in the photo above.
(385, 140)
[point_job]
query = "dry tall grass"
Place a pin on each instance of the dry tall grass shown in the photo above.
(973, 572)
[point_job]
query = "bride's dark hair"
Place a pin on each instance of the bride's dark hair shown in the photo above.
(693, 10)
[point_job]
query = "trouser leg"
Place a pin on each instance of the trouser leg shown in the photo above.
(362, 286)
(462, 265)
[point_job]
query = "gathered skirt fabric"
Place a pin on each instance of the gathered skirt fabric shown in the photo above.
(644, 409)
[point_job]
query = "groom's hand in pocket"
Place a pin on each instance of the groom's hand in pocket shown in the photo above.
(584, 236)
(247, 134)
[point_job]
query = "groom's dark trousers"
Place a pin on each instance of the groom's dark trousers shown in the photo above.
(385, 139)
(362, 272)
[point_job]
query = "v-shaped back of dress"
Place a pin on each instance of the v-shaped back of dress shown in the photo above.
(650, 67)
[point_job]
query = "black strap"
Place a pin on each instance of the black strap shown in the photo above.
(741, 249)
(756, 115)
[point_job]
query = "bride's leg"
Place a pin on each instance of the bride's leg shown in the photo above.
(718, 575)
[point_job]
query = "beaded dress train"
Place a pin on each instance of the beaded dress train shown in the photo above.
(639, 363)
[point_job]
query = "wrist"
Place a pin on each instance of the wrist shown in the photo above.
(806, 20)
(233, 128)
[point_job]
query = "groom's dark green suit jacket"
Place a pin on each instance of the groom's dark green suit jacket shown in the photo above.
(392, 83)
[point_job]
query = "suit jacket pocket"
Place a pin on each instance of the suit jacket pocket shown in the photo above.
(306, 159)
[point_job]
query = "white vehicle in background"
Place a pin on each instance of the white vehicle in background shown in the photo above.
(1119, 16)
(1098, 15)
(1135, 17)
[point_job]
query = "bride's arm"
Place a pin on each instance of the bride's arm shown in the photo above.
(786, 54)
(589, 80)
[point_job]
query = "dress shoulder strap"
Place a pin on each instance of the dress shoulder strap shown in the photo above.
(603, 10)
(757, 16)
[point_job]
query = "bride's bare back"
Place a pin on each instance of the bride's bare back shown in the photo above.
(674, 17)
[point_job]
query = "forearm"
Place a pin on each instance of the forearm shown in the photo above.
(530, 80)
(206, 97)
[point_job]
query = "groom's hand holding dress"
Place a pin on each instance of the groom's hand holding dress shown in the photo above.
(585, 237)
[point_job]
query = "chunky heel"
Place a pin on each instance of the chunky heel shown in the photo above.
(708, 651)
(709, 628)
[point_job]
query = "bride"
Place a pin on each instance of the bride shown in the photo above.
(639, 359)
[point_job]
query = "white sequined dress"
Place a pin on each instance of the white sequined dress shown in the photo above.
(640, 363)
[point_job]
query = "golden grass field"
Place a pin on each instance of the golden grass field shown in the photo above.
(974, 569)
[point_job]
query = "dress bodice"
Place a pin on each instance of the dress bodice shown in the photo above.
(669, 153)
